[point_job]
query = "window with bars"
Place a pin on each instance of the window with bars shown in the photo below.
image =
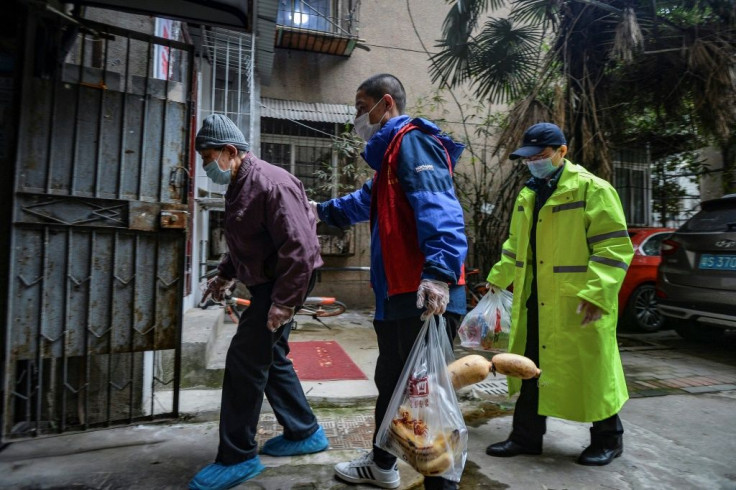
(632, 181)
(307, 161)
(306, 151)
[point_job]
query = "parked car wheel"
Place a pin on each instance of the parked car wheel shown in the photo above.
(641, 310)
(636, 299)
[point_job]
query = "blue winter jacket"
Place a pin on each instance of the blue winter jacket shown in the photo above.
(426, 180)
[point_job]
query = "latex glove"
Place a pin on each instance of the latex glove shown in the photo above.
(493, 288)
(314, 210)
(434, 295)
(217, 287)
(590, 312)
(279, 315)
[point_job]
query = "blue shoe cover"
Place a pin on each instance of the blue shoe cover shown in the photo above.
(280, 446)
(218, 476)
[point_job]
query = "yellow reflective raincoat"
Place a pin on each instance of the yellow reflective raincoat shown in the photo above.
(583, 252)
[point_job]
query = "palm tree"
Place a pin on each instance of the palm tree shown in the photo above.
(585, 63)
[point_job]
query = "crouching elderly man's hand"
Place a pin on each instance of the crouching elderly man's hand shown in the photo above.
(279, 315)
(217, 289)
(434, 295)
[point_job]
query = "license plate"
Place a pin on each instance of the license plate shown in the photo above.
(717, 262)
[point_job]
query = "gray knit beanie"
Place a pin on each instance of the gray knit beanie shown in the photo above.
(217, 131)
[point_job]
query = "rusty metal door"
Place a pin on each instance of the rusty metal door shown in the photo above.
(99, 231)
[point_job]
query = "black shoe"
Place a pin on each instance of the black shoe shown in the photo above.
(509, 448)
(601, 455)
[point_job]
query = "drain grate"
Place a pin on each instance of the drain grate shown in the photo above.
(350, 432)
(493, 386)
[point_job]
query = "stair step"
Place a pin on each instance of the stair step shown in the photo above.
(218, 345)
(200, 330)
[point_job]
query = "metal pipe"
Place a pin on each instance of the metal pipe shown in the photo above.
(123, 114)
(155, 320)
(162, 150)
(75, 130)
(51, 392)
(227, 76)
(144, 121)
(254, 122)
(52, 123)
(29, 391)
(131, 337)
(99, 122)
(178, 332)
(214, 78)
(109, 333)
(87, 362)
(240, 81)
(41, 324)
(67, 309)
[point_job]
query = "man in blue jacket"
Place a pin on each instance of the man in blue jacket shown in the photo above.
(418, 245)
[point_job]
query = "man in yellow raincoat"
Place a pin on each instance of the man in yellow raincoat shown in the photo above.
(567, 254)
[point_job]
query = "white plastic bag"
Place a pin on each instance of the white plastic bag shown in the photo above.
(423, 424)
(487, 326)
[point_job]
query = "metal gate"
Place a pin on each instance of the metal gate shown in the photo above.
(99, 230)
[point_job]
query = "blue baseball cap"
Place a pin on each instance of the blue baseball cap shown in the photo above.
(537, 138)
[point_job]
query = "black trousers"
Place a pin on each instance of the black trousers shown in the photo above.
(395, 340)
(256, 363)
(528, 426)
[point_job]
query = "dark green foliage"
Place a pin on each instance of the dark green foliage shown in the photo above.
(657, 74)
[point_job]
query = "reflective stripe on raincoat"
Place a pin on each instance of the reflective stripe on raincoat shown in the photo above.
(583, 252)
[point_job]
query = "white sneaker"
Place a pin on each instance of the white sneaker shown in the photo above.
(364, 470)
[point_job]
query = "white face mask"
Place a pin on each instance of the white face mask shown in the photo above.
(363, 126)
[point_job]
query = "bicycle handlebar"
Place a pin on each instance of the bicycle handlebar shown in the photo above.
(309, 301)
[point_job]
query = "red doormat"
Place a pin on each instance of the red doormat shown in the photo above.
(322, 360)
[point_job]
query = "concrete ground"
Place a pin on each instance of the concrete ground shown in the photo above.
(680, 431)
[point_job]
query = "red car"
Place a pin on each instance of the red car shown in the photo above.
(637, 302)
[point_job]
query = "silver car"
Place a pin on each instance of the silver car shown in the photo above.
(696, 279)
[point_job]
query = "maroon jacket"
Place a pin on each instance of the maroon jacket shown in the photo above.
(270, 231)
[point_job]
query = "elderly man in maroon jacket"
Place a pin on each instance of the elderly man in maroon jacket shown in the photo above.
(273, 250)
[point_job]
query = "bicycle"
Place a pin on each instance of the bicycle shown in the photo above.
(315, 306)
